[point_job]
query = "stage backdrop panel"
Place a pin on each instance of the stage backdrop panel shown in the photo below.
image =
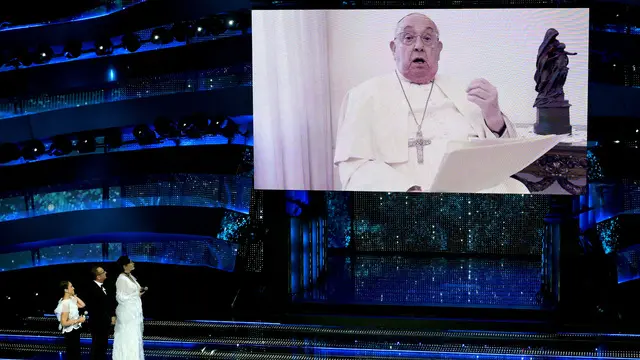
(435, 250)
(502, 225)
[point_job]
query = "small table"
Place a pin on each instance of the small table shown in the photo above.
(565, 164)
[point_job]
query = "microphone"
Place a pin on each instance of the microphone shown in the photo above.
(145, 288)
(86, 315)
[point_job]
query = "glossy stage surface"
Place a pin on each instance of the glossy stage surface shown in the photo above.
(253, 340)
(460, 281)
(244, 323)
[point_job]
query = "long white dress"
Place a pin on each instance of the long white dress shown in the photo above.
(127, 338)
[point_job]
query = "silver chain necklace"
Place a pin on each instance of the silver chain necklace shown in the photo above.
(424, 113)
(419, 142)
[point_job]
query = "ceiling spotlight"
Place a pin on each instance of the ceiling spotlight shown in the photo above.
(217, 25)
(103, 46)
(248, 133)
(144, 135)
(200, 30)
(161, 36)
(229, 129)
(86, 143)
(61, 145)
(183, 31)
(213, 25)
(20, 57)
(32, 149)
(73, 49)
(113, 138)
(131, 42)
(166, 128)
(240, 20)
(194, 126)
(13, 62)
(215, 127)
(9, 152)
(25, 57)
(43, 55)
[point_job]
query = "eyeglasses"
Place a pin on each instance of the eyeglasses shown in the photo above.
(429, 40)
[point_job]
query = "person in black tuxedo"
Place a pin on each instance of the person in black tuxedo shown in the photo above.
(102, 310)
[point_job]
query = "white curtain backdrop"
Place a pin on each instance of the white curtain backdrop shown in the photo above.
(291, 101)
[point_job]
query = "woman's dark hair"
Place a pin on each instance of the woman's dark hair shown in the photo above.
(122, 262)
(64, 285)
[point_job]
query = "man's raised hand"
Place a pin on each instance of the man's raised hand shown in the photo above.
(482, 93)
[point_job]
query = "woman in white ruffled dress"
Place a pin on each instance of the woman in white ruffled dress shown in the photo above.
(69, 319)
(127, 338)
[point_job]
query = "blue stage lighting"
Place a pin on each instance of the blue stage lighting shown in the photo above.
(61, 145)
(240, 20)
(161, 36)
(213, 25)
(113, 138)
(131, 42)
(73, 49)
(111, 75)
(43, 55)
(144, 135)
(215, 127)
(229, 129)
(194, 126)
(103, 46)
(32, 149)
(200, 30)
(20, 57)
(183, 31)
(9, 152)
(86, 143)
(166, 128)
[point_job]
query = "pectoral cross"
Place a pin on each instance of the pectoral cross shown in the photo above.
(419, 142)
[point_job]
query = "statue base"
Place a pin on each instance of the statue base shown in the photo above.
(552, 121)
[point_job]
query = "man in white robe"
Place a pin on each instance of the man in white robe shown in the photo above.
(388, 141)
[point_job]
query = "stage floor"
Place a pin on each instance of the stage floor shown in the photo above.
(429, 281)
(249, 340)
(363, 279)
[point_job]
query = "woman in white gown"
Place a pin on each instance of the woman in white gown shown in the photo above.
(127, 338)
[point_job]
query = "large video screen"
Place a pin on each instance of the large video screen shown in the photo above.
(466, 101)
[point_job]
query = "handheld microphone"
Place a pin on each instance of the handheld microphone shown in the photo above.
(86, 315)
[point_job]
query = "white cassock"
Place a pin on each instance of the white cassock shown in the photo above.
(376, 124)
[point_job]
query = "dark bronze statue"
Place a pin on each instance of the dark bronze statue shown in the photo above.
(552, 70)
(551, 75)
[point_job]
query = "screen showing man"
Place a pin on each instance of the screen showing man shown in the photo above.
(422, 120)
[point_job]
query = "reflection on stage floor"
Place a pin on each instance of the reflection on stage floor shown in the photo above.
(433, 281)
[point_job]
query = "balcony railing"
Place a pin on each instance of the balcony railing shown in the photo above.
(186, 82)
(196, 190)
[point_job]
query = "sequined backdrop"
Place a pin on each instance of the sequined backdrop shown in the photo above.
(252, 246)
(450, 282)
(435, 249)
(455, 223)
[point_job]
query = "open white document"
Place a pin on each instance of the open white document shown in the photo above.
(473, 166)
